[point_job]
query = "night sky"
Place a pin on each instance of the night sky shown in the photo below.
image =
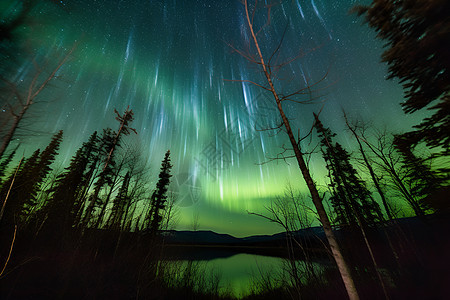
(172, 62)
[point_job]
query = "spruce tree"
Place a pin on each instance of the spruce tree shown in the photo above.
(105, 162)
(159, 196)
(417, 36)
(66, 198)
(40, 173)
(420, 178)
(6, 161)
(111, 141)
(350, 199)
(22, 199)
(46, 158)
(20, 189)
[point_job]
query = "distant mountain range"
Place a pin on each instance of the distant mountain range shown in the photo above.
(206, 245)
(207, 237)
(311, 236)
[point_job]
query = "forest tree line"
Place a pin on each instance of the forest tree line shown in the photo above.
(105, 188)
(105, 185)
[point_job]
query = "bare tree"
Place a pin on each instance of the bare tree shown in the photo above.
(375, 179)
(20, 96)
(291, 213)
(268, 69)
(389, 161)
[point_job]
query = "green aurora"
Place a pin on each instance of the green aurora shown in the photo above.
(172, 63)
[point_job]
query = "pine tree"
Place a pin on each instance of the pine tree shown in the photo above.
(46, 158)
(420, 178)
(105, 175)
(350, 198)
(159, 196)
(20, 190)
(417, 36)
(125, 121)
(111, 141)
(40, 172)
(66, 198)
(5, 162)
(22, 199)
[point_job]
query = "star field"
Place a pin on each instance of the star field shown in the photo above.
(173, 63)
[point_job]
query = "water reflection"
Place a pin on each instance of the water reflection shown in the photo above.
(240, 272)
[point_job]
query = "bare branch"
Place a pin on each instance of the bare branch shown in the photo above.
(247, 81)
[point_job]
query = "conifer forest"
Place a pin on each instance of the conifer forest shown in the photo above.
(239, 149)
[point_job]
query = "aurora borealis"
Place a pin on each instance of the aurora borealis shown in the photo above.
(173, 63)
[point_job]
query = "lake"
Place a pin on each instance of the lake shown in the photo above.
(239, 272)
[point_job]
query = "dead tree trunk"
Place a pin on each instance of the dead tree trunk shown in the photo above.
(317, 200)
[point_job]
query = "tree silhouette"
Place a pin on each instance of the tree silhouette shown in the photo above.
(19, 191)
(120, 204)
(417, 35)
(6, 161)
(110, 186)
(41, 170)
(22, 199)
(65, 202)
(389, 164)
(270, 74)
(159, 196)
(420, 178)
(368, 164)
(110, 141)
(138, 190)
(124, 129)
(48, 156)
(104, 166)
(351, 200)
(349, 196)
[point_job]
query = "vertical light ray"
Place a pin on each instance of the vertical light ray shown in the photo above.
(300, 9)
(316, 11)
(128, 48)
(168, 59)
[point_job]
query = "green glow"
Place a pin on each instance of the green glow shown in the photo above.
(169, 62)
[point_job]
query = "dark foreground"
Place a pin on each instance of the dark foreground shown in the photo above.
(412, 257)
